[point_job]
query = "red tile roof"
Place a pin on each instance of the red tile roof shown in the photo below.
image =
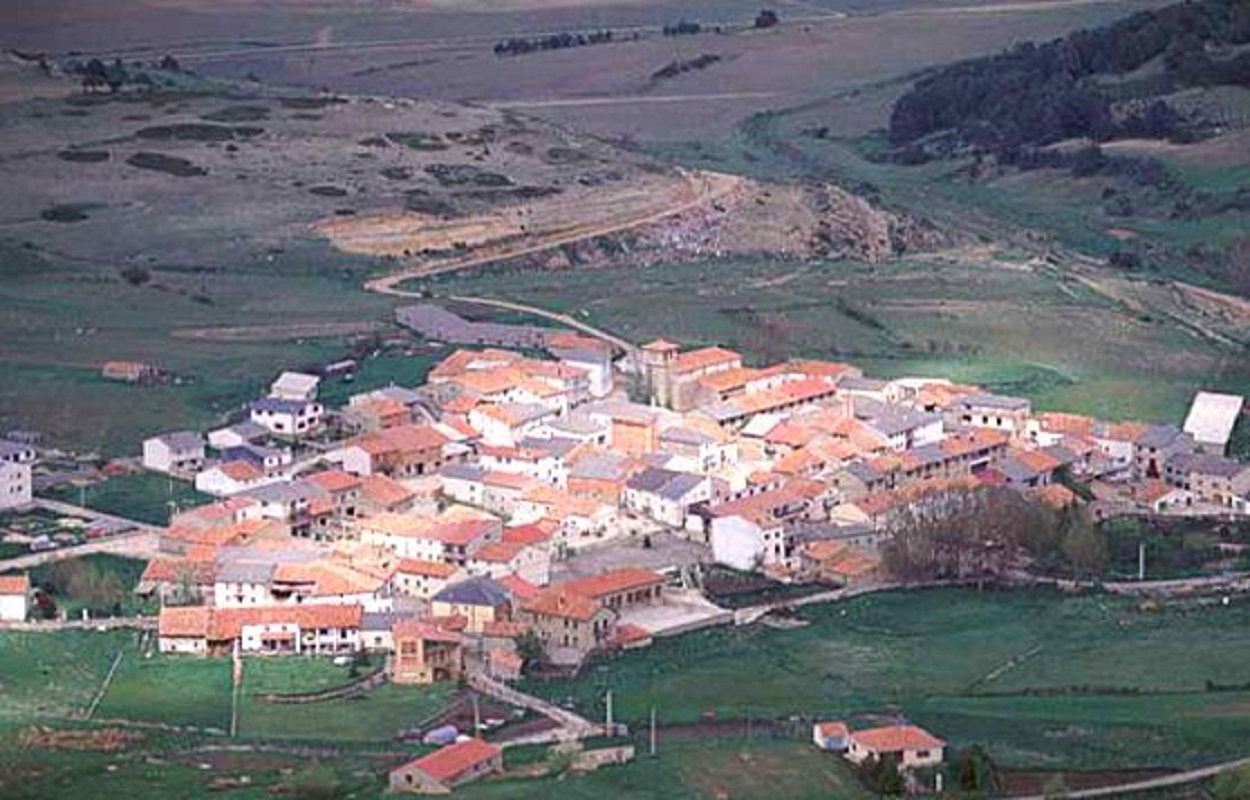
(448, 763)
(896, 738)
(186, 622)
(335, 480)
(558, 601)
(14, 584)
(532, 533)
(619, 580)
(518, 586)
(429, 569)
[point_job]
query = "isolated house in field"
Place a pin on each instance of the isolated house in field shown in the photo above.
(15, 485)
(181, 451)
(443, 770)
(295, 386)
(14, 596)
(909, 746)
(1211, 420)
(831, 736)
(128, 371)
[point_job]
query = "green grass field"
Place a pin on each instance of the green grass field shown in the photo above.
(1030, 332)
(141, 496)
(374, 717)
(750, 770)
(54, 675)
(171, 690)
(1129, 687)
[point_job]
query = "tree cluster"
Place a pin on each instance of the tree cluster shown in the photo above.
(683, 28)
(1038, 94)
(767, 18)
(983, 532)
(557, 41)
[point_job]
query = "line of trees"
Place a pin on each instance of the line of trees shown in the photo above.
(557, 41)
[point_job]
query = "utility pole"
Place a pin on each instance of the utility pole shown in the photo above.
(653, 730)
(477, 717)
(608, 722)
(1141, 561)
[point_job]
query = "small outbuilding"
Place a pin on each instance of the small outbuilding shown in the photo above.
(831, 736)
(446, 768)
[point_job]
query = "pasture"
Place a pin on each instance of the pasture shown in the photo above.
(1021, 328)
(1040, 679)
(140, 496)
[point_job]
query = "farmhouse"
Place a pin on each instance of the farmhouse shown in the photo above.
(12, 452)
(910, 746)
(443, 770)
(14, 594)
(128, 371)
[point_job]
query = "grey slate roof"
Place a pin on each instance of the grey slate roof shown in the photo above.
(245, 572)
(275, 405)
(462, 472)
(987, 400)
(182, 440)
(479, 591)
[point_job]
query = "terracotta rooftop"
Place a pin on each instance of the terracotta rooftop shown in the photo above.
(619, 580)
(14, 584)
(896, 738)
(428, 569)
(558, 601)
(446, 764)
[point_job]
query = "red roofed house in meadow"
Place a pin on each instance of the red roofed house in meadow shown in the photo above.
(444, 769)
(910, 746)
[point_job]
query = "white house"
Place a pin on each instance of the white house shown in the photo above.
(737, 542)
(665, 495)
(287, 417)
(14, 592)
(15, 484)
(910, 746)
(298, 386)
(181, 451)
(232, 477)
(505, 424)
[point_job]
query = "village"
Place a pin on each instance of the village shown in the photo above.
(547, 496)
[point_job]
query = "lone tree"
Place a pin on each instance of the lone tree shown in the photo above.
(767, 18)
(977, 773)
